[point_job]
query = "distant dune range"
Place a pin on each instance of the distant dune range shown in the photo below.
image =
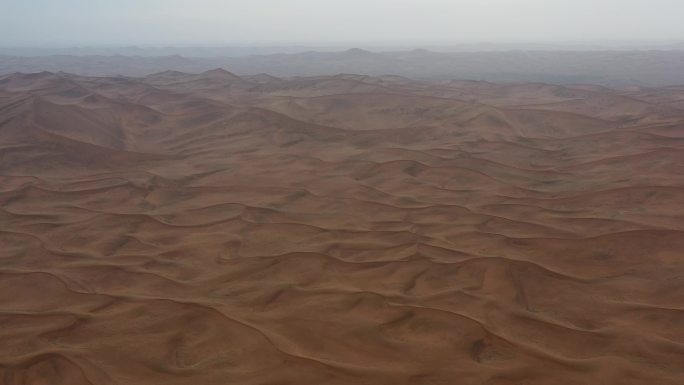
(615, 68)
(215, 229)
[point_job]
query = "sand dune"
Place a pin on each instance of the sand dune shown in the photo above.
(211, 229)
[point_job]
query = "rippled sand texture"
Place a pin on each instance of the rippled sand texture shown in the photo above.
(211, 229)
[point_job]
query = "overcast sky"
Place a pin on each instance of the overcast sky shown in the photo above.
(215, 22)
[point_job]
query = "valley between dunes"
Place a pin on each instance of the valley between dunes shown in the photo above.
(214, 229)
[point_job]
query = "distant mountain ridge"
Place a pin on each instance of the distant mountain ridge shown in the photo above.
(266, 49)
(644, 68)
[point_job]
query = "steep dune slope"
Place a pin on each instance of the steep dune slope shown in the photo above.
(210, 229)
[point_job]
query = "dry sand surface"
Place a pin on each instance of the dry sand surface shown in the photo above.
(215, 229)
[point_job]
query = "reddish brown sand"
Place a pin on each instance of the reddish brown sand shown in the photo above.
(210, 229)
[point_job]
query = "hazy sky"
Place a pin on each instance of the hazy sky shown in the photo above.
(215, 22)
